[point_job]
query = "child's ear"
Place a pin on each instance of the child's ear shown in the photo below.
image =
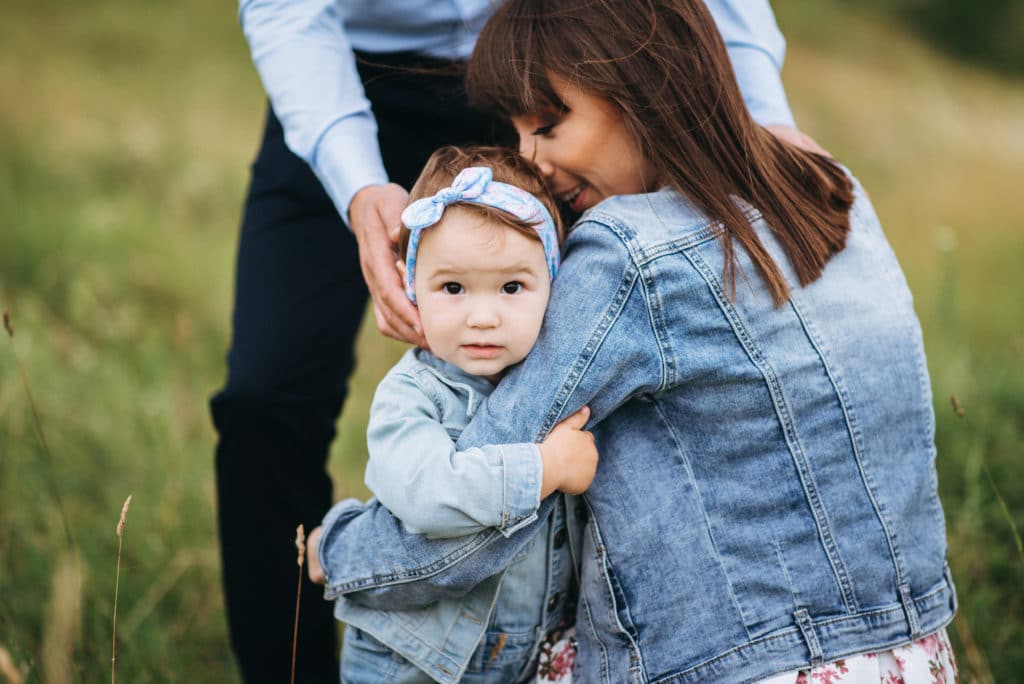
(400, 266)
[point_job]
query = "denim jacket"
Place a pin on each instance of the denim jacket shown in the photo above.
(420, 408)
(765, 499)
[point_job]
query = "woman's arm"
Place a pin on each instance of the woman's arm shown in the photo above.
(600, 346)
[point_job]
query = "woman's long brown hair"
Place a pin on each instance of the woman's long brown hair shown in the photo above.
(664, 65)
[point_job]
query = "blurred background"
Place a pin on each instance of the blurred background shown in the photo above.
(126, 131)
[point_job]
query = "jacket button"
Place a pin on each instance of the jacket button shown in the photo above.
(559, 538)
(553, 601)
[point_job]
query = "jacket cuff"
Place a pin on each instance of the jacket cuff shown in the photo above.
(345, 507)
(347, 158)
(523, 475)
(762, 87)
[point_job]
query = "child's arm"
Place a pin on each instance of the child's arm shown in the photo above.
(417, 473)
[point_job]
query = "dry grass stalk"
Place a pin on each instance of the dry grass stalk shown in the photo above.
(48, 463)
(8, 670)
(300, 546)
(117, 586)
(975, 658)
(957, 408)
(64, 620)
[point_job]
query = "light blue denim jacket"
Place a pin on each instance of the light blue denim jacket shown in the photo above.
(419, 410)
(766, 495)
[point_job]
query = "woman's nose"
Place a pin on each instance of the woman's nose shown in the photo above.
(529, 149)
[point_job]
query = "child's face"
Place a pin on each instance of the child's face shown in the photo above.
(482, 289)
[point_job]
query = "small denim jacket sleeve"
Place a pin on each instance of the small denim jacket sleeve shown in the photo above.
(416, 472)
(600, 346)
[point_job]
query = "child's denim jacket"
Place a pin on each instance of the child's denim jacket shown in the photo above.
(765, 498)
(418, 412)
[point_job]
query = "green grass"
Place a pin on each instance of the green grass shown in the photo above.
(125, 134)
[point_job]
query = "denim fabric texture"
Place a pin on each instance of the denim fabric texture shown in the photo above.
(492, 632)
(765, 500)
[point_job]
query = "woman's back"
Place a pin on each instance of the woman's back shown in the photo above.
(794, 504)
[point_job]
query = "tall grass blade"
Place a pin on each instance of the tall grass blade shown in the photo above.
(1006, 513)
(300, 545)
(48, 463)
(117, 585)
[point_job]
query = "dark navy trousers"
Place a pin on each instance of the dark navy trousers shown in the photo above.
(299, 299)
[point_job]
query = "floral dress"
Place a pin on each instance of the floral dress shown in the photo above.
(927, 661)
(557, 656)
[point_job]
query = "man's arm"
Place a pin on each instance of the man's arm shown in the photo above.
(757, 50)
(308, 69)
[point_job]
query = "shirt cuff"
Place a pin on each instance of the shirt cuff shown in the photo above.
(523, 475)
(347, 158)
(762, 87)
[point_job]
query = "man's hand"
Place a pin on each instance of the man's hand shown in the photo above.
(796, 138)
(375, 216)
(568, 456)
(313, 567)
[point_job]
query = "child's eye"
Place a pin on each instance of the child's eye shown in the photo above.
(513, 287)
(452, 288)
(543, 130)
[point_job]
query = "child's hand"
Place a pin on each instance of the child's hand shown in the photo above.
(313, 567)
(569, 456)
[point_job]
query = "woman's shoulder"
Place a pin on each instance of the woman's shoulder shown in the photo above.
(647, 219)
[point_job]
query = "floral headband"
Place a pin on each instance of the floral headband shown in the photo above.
(475, 185)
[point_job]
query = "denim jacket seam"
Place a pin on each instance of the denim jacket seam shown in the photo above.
(415, 636)
(604, 566)
(478, 541)
(419, 375)
(810, 486)
(613, 311)
(855, 439)
(788, 631)
(586, 356)
(707, 520)
(642, 273)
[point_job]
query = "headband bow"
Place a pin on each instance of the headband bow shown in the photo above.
(475, 185)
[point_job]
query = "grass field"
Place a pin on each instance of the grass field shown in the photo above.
(125, 134)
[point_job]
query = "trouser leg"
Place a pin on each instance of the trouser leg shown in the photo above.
(299, 297)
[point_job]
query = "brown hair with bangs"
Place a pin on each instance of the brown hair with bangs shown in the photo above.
(506, 167)
(663, 64)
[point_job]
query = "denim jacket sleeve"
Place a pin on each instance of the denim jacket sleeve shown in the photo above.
(600, 346)
(417, 474)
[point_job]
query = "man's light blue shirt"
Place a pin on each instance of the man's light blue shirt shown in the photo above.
(303, 51)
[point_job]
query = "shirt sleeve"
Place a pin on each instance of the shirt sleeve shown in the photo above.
(757, 50)
(308, 70)
(415, 471)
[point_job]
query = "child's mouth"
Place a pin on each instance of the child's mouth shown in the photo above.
(482, 351)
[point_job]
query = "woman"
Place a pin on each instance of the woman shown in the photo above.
(730, 310)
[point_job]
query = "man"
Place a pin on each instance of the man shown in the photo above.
(303, 276)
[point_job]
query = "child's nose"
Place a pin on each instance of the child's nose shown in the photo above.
(483, 316)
